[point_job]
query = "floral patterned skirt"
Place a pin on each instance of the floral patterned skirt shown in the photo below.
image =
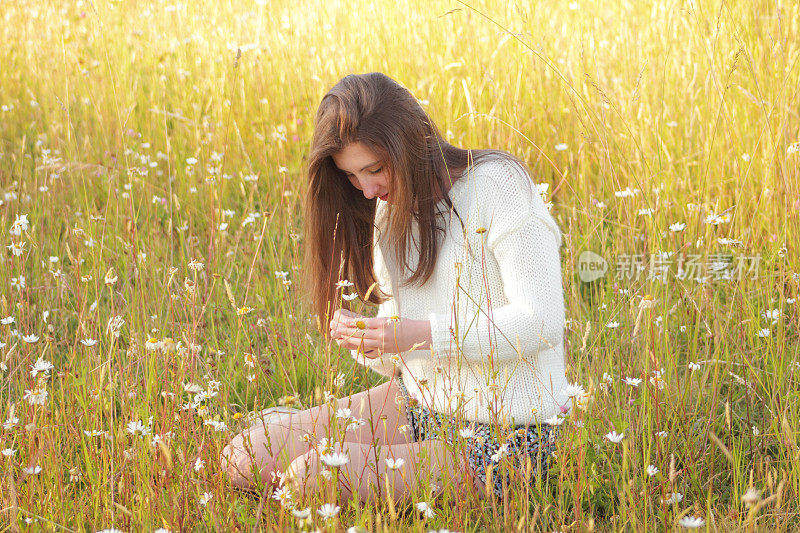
(483, 444)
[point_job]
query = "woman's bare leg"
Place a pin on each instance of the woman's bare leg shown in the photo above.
(368, 476)
(264, 450)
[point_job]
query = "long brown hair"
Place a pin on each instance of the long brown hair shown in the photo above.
(339, 221)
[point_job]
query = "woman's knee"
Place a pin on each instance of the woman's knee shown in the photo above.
(237, 463)
(297, 474)
(245, 458)
(258, 452)
(306, 472)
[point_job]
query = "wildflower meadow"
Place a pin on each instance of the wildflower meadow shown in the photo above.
(151, 184)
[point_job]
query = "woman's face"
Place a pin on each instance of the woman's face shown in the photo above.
(364, 169)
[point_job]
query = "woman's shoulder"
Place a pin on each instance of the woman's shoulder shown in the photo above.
(499, 173)
(505, 195)
(502, 180)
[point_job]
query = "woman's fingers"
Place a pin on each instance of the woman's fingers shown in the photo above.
(342, 318)
(362, 323)
(343, 315)
(371, 334)
(355, 342)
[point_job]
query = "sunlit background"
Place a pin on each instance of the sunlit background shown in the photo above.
(152, 172)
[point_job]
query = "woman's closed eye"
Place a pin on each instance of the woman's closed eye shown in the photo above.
(378, 171)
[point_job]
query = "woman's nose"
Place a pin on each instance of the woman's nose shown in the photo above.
(370, 190)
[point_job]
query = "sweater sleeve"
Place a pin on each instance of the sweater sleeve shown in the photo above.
(525, 241)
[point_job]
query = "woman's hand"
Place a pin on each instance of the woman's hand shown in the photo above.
(379, 335)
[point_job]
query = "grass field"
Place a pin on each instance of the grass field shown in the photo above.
(152, 173)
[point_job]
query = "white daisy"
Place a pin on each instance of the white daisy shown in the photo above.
(21, 223)
(195, 265)
(335, 460)
(554, 420)
(355, 423)
(41, 365)
(283, 495)
(135, 427)
(339, 380)
(676, 227)
(573, 389)
(500, 454)
(628, 192)
(343, 284)
(325, 445)
(692, 522)
(35, 396)
(32, 470)
(467, 433)
(152, 344)
(301, 514)
(395, 464)
(425, 509)
(633, 382)
(328, 511)
(217, 425)
(16, 248)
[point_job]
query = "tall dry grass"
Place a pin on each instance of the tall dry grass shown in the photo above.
(149, 137)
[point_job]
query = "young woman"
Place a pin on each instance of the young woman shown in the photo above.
(461, 255)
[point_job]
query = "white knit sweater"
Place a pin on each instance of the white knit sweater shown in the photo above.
(506, 367)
